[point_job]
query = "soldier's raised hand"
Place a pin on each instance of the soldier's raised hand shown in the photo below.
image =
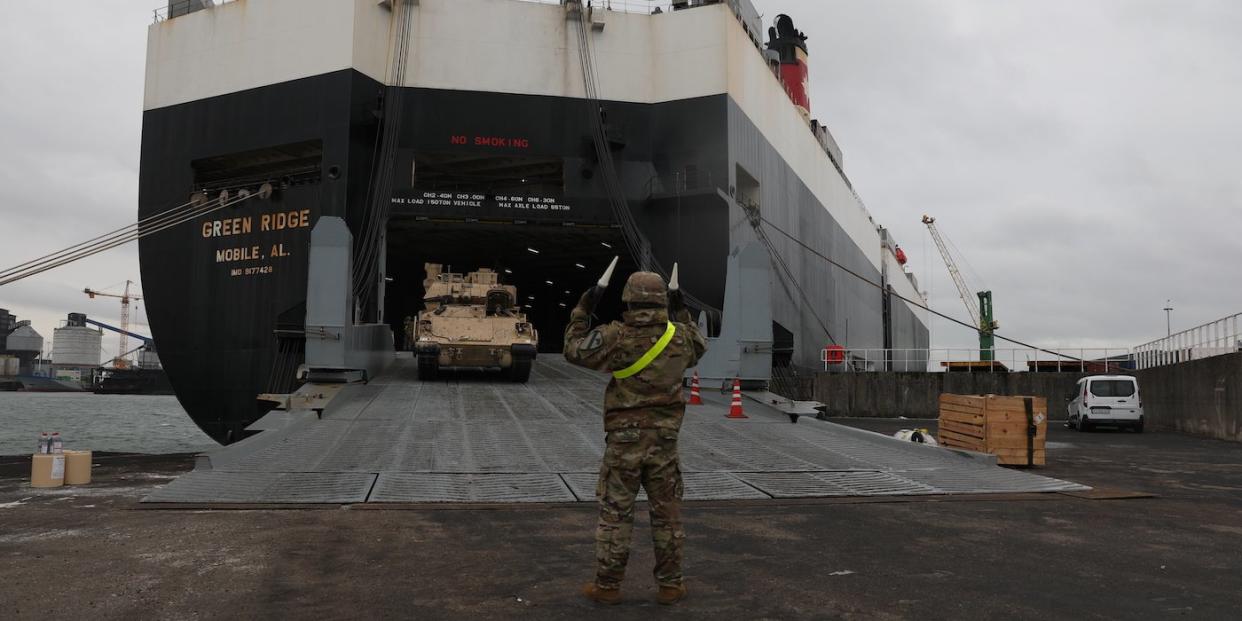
(590, 299)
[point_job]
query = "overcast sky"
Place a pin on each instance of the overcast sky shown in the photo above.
(1081, 155)
(71, 80)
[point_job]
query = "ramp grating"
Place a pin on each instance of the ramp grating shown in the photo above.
(320, 487)
(698, 486)
(476, 439)
(827, 484)
(983, 480)
(481, 488)
(216, 486)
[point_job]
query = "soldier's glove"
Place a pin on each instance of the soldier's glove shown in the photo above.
(676, 303)
(591, 298)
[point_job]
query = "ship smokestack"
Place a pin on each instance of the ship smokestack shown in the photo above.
(790, 45)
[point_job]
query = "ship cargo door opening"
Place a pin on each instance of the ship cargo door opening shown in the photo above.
(506, 213)
(551, 266)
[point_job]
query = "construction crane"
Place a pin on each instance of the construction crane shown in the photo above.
(123, 334)
(980, 313)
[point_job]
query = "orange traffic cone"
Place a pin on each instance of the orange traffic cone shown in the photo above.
(695, 398)
(735, 408)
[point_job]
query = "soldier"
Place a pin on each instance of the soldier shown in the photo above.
(647, 355)
(410, 331)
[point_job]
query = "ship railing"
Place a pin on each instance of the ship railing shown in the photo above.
(1215, 338)
(643, 7)
(177, 8)
(1096, 360)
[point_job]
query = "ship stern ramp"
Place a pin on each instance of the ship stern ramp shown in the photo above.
(743, 349)
(471, 439)
(337, 349)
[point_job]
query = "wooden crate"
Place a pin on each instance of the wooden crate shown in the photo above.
(996, 425)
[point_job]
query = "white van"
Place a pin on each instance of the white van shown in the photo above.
(1106, 400)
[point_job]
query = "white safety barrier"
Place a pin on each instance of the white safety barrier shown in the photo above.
(1215, 338)
(1017, 359)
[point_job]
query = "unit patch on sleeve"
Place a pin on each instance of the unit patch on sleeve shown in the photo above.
(592, 342)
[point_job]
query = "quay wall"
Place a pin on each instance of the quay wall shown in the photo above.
(917, 395)
(1201, 397)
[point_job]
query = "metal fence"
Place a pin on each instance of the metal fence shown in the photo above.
(1215, 338)
(1052, 360)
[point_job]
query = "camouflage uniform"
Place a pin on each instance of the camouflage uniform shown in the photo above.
(642, 416)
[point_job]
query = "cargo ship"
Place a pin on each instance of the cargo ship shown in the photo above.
(534, 138)
(136, 381)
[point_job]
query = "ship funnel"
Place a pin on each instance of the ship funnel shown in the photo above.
(790, 45)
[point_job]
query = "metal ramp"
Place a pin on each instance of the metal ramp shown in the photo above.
(474, 439)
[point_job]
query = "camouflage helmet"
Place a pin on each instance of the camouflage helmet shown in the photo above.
(645, 289)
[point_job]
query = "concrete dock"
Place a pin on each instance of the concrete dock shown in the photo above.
(1116, 552)
(472, 438)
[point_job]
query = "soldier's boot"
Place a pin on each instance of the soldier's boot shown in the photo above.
(594, 593)
(670, 595)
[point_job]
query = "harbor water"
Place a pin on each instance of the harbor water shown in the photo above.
(113, 423)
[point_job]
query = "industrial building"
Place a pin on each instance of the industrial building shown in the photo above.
(20, 346)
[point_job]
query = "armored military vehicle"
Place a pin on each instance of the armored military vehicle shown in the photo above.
(471, 321)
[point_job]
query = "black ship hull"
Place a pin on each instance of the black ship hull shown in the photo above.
(480, 179)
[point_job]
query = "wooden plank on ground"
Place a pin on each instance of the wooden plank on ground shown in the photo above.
(966, 429)
(1004, 416)
(957, 439)
(1011, 430)
(948, 437)
(963, 410)
(1039, 458)
(1014, 442)
(963, 400)
(965, 419)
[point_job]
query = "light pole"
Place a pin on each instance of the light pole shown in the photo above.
(1168, 317)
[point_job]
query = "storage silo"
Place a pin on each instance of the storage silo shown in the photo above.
(7, 323)
(26, 344)
(24, 339)
(76, 346)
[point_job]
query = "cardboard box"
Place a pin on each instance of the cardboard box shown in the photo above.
(47, 470)
(77, 467)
